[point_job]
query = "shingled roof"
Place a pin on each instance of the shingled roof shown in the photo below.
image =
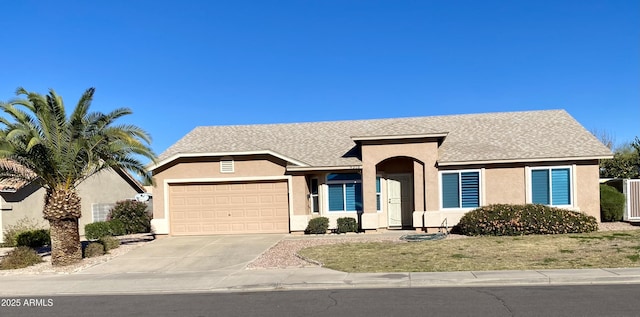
(490, 137)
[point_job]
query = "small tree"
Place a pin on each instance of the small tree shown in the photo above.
(625, 162)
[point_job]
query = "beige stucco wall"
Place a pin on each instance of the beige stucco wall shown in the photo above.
(209, 168)
(504, 185)
(105, 187)
(507, 184)
(424, 151)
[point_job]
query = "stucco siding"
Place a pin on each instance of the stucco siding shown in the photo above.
(246, 167)
(588, 189)
(504, 185)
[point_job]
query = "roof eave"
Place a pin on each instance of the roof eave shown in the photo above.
(525, 160)
(398, 136)
(211, 154)
(322, 168)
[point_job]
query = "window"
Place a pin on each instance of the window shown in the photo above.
(313, 195)
(378, 194)
(551, 186)
(344, 192)
(460, 189)
(100, 211)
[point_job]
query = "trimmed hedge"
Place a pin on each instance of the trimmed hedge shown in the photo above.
(97, 230)
(318, 225)
(34, 238)
(611, 203)
(347, 224)
(513, 220)
(109, 243)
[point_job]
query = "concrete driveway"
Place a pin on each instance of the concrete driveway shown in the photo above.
(190, 254)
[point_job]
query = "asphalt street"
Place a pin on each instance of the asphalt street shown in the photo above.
(576, 300)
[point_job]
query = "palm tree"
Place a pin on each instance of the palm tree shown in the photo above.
(40, 143)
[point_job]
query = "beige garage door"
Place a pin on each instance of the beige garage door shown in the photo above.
(228, 208)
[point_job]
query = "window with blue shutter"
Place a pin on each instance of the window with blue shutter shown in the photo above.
(345, 192)
(378, 194)
(336, 197)
(450, 190)
(460, 189)
(551, 186)
(560, 187)
(540, 187)
(470, 188)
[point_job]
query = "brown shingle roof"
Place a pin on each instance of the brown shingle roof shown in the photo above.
(506, 136)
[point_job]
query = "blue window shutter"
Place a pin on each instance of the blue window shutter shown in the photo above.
(450, 190)
(470, 185)
(540, 187)
(560, 187)
(378, 195)
(354, 197)
(336, 198)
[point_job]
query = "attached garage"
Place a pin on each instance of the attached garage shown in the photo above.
(229, 207)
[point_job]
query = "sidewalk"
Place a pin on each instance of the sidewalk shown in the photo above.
(293, 279)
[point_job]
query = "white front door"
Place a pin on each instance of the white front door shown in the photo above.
(399, 200)
(394, 203)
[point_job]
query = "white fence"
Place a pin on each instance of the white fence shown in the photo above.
(631, 190)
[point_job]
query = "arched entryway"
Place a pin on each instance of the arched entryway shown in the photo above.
(395, 185)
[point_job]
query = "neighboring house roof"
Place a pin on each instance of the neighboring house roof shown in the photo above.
(471, 138)
(13, 185)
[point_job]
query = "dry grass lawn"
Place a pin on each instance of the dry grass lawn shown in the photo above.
(609, 249)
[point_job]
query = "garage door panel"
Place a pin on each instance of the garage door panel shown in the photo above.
(226, 208)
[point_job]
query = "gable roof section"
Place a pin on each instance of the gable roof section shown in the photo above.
(474, 138)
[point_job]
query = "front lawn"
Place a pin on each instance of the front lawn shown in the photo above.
(608, 249)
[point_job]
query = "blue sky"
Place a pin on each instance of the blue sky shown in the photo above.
(181, 64)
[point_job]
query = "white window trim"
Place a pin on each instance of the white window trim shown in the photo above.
(481, 197)
(311, 195)
(383, 195)
(344, 194)
(572, 182)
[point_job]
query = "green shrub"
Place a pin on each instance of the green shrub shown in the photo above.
(93, 249)
(109, 243)
(20, 257)
(347, 224)
(511, 220)
(318, 225)
(117, 227)
(34, 238)
(11, 232)
(133, 214)
(611, 203)
(97, 230)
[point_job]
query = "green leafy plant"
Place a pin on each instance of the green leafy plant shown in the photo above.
(347, 224)
(133, 214)
(34, 238)
(20, 257)
(318, 225)
(117, 227)
(93, 249)
(611, 203)
(512, 220)
(109, 243)
(11, 232)
(97, 230)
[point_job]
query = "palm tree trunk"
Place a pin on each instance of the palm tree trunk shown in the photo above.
(65, 242)
(62, 209)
